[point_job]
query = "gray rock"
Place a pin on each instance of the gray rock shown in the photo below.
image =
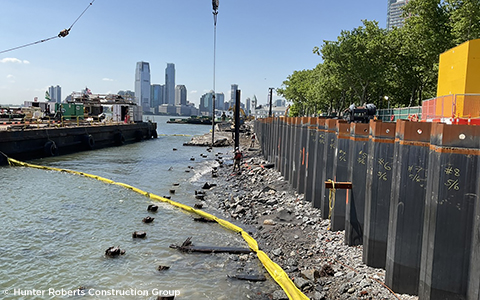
(279, 295)
(277, 251)
(310, 274)
(338, 274)
(272, 202)
(239, 209)
(285, 215)
(365, 283)
(319, 296)
(301, 283)
(344, 288)
(293, 269)
(350, 275)
(292, 262)
(268, 222)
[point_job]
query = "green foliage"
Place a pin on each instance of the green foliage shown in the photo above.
(368, 63)
(465, 19)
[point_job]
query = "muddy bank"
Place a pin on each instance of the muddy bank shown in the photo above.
(291, 231)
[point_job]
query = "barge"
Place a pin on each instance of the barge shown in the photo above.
(86, 123)
(23, 142)
(202, 120)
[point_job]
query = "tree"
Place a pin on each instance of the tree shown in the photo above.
(368, 63)
(464, 19)
(357, 60)
(297, 89)
(427, 34)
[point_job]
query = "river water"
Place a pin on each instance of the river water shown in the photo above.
(56, 227)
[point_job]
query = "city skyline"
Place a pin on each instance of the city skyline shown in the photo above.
(259, 44)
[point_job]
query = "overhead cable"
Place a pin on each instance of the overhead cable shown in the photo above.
(62, 33)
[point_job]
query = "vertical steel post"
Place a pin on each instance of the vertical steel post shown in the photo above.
(317, 184)
(407, 205)
(311, 142)
(215, 14)
(237, 119)
(330, 146)
(341, 165)
(357, 173)
(270, 96)
(377, 196)
(449, 211)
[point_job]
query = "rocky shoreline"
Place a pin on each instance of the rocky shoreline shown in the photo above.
(290, 230)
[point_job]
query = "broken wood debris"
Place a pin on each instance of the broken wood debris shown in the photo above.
(248, 277)
(163, 268)
(114, 251)
(187, 246)
(204, 220)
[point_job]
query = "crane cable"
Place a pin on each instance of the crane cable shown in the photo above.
(62, 33)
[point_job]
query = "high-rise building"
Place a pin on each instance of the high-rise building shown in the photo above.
(180, 95)
(206, 103)
(233, 94)
(156, 95)
(55, 93)
(394, 13)
(170, 84)
(247, 104)
(279, 103)
(142, 85)
(219, 101)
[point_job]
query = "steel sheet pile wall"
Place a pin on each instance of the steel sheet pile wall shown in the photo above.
(414, 197)
(269, 142)
(377, 195)
(358, 154)
(289, 145)
(474, 281)
(275, 140)
(407, 205)
(301, 161)
(281, 144)
(296, 151)
(449, 212)
(318, 186)
(260, 133)
(341, 165)
(328, 159)
(310, 159)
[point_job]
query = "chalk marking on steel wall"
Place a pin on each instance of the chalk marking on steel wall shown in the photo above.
(277, 273)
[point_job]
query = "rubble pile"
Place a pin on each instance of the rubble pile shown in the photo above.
(293, 234)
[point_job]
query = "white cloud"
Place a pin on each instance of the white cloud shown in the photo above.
(10, 78)
(13, 60)
(193, 92)
(107, 79)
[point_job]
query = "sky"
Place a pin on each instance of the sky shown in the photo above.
(259, 43)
